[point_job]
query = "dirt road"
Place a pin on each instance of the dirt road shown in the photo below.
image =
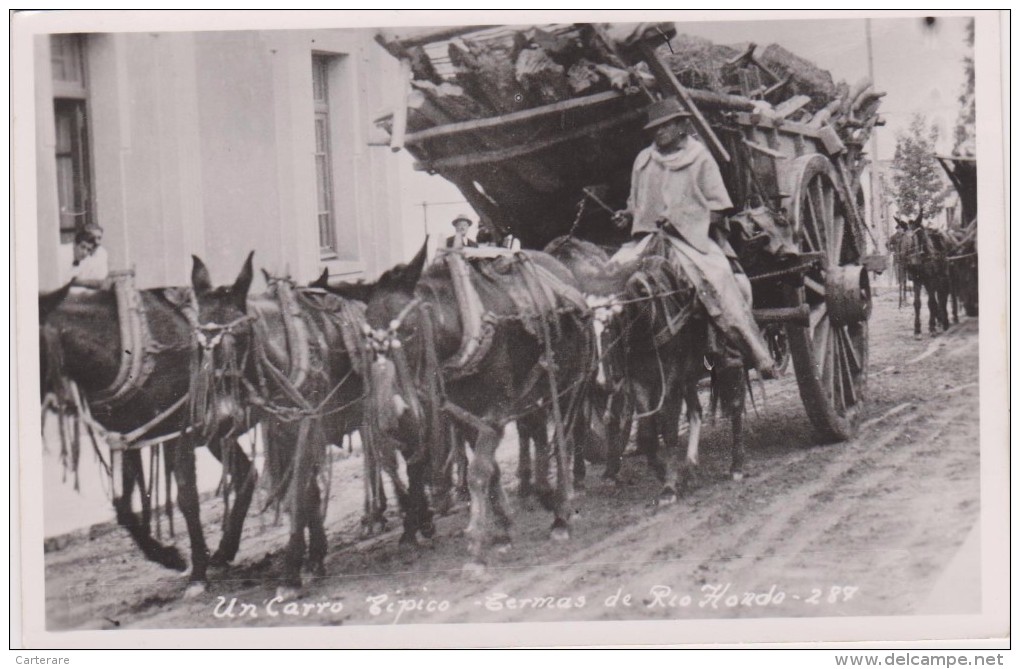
(861, 528)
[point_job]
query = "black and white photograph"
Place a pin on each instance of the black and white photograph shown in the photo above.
(490, 324)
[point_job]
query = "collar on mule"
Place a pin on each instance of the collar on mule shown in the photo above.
(137, 345)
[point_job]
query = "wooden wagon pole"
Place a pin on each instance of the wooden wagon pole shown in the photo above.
(668, 81)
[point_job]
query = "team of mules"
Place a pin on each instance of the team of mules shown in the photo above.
(944, 268)
(566, 344)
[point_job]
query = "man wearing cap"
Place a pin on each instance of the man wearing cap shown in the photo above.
(460, 239)
(676, 186)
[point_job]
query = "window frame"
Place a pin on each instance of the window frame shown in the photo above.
(71, 103)
(323, 153)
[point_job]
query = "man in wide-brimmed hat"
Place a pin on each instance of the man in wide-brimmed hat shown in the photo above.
(676, 187)
(460, 239)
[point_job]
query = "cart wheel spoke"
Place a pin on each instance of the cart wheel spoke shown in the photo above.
(836, 247)
(843, 372)
(854, 360)
(831, 375)
(818, 211)
(815, 287)
(821, 345)
(814, 225)
(819, 312)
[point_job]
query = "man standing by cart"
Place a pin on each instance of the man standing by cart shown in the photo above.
(676, 187)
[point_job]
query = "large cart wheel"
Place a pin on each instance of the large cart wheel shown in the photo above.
(830, 354)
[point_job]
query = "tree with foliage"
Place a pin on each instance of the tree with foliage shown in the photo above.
(967, 120)
(916, 175)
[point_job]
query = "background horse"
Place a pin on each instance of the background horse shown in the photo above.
(924, 253)
(293, 356)
(80, 333)
(535, 352)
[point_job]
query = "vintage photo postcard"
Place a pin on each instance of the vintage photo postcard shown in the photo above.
(404, 329)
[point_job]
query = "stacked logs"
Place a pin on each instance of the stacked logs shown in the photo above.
(514, 70)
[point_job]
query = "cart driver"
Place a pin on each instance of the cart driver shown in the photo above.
(676, 186)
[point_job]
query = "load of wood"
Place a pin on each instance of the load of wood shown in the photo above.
(482, 73)
(522, 118)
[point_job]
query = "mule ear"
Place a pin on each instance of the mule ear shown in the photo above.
(412, 272)
(200, 280)
(265, 275)
(360, 292)
(48, 302)
(243, 281)
(323, 280)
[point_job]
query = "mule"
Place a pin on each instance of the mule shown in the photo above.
(81, 341)
(523, 362)
(611, 399)
(294, 361)
(666, 337)
(924, 253)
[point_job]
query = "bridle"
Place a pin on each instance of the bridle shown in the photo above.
(210, 335)
(382, 342)
(208, 380)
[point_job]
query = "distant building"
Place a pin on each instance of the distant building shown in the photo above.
(218, 143)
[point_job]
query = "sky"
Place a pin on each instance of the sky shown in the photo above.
(921, 69)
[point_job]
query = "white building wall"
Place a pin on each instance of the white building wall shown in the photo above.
(204, 143)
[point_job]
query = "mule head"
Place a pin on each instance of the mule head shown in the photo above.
(223, 333)
(660, 299)
(391, 320)
(394, 290)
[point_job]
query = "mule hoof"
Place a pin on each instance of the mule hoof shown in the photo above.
(560, 531)
(316, 568)
(219, 560)
(195, 589)
(473, 570)
(172, 559)
(737, 476)
(667, 497)
(286, 593)
(408, 539)
(428, 529)
(503, 545)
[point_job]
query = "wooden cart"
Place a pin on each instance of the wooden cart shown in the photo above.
(963, 258)
(543, 170)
